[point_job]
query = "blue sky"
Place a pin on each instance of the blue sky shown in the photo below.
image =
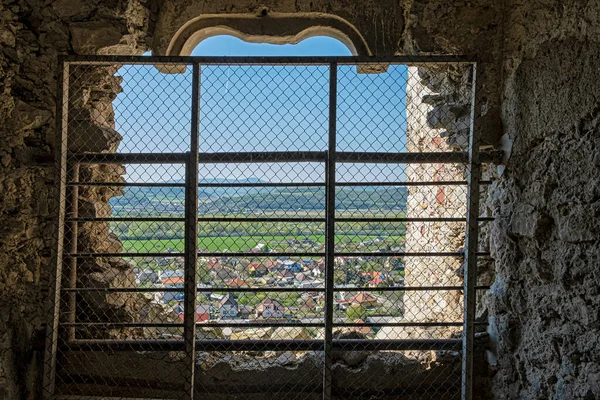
(262, 108)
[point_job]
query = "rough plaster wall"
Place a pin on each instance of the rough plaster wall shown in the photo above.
(545, 301)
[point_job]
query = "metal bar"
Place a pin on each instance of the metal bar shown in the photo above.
(191, 238)
(330, 232)
(199, 288)
(128, 219)
(471, 240)
(260, 219)
(404, 288)
(264, 345)
(276, 157)
(61, 149)
(263, 184)
(108, 325)
(406, 254)
(400, 254)
(129, 158)
(203, 254)
(270, 289)
(128, 184)
(125, 255)
(263, 157)
(393, 219)
(402, 158)
(400, 324)
(262, 60)
(73, 174)
(403, 183)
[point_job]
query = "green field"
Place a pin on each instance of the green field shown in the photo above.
(240, 243)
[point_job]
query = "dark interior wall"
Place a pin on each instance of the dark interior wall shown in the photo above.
(546, 241)
(544, 304)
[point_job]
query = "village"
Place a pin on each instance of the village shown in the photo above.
(356, 299)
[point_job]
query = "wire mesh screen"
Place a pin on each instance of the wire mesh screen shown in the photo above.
(256, 228)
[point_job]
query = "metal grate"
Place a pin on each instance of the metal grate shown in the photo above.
(262, 227)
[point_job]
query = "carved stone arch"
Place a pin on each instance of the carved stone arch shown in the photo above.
(275, 28)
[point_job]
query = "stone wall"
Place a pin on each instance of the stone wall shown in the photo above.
(543, 305)
(545, 301)
(438, 109)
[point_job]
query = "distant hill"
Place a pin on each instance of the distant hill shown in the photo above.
(158, 200)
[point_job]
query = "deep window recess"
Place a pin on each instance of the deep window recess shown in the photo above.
(273, 225)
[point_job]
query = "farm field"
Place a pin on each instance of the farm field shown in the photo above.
(242, 243)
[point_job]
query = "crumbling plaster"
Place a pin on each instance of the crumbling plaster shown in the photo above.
(537, 59)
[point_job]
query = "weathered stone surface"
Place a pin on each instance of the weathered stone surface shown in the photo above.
(88, 137)
(539, 57)
(89, 37)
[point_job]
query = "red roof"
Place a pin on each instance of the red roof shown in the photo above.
(173, 280)
(237, 282)
(376, 281)
(363, 297)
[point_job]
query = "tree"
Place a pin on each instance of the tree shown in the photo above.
(355, 312)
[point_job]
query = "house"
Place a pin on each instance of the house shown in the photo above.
(257, 269)
(266, 280)
(237, 282)
(364, 299)
(286, 276)
(245, 311)
(228, 307)
(300, 277)
(202, 311)
(148, 275)
(269, 308)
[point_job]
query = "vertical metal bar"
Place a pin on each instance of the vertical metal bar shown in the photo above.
(191, 237)
(73, 176)
(470, 261)
(330, 232)
(62, 101)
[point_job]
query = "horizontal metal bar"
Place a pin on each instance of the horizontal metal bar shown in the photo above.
(262, 157)
(262, 184)
(125, 290)
(260, 325)
(128, 184)
(264, 60)
(129, 158)
(403, 288)
(402, 324)
(402, 158)
(199, 289)
(249, 254)
(127, 219)
(259, 219)
(296, 156)
(265, 324)
(84, 397)
(276, 255)
(403, 183)
(108, 325)
(400, 254)
(124, 255)
(265, 345)
(270, 289)
(394, 219)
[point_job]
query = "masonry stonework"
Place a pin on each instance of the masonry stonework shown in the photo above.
(540, 88)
